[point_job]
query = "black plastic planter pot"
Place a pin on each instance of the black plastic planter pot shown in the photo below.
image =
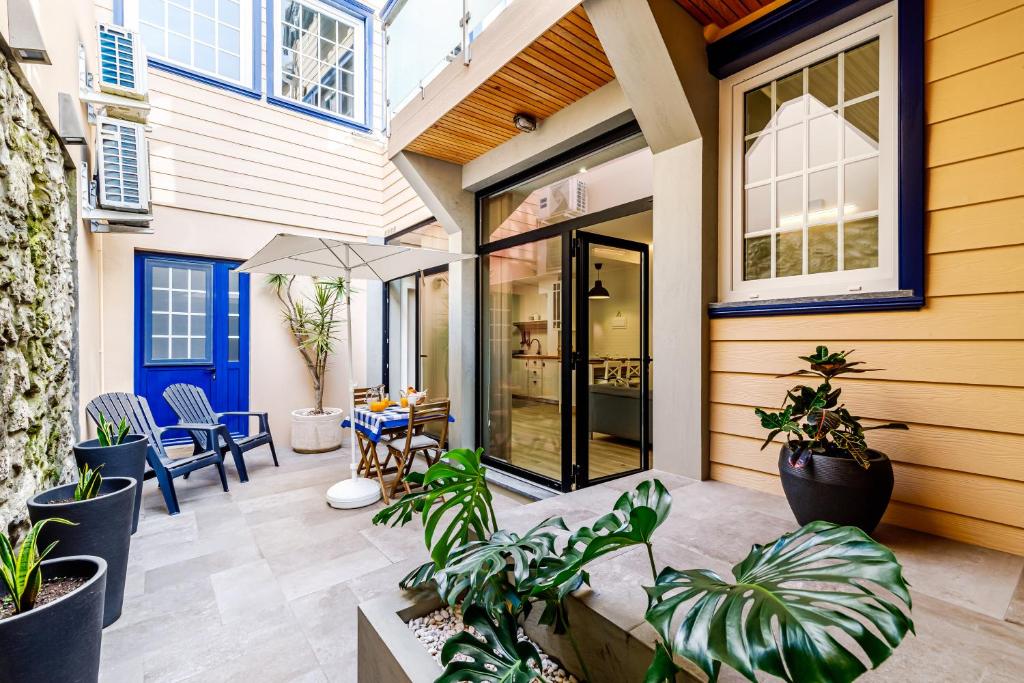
(59, 641)
(126, 459)
(838, 490)
(104, 530)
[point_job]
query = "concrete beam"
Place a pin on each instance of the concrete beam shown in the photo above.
(439, 184)
(658, 53)
(600, 111)
(522, 23)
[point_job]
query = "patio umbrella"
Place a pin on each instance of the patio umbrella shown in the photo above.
(321, 257)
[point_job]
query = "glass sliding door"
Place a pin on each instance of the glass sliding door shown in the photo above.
(522, 358)
(613, 394)
(433, 331)
(401, 359)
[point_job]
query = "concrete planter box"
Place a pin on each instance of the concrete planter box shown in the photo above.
(389, 651)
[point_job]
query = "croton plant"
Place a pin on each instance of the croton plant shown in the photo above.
(813, 418)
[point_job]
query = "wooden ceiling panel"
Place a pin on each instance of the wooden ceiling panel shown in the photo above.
(722, 13)
(563, 65)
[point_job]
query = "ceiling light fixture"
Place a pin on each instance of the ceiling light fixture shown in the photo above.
(525, 122)
(598, 291)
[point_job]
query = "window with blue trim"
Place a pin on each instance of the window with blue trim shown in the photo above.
(320, 57)
(211, 38)
(810, 169)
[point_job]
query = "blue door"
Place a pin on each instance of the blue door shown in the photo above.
(192, 326)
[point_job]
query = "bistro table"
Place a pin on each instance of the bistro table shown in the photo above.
(371, 427)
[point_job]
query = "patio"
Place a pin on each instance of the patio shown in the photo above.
(263, 583)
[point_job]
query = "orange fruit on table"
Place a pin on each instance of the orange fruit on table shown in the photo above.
(405, 402)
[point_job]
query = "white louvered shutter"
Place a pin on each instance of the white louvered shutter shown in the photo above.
(123, 157)
(122, 62)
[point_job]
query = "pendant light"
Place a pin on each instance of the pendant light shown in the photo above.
(598, 291)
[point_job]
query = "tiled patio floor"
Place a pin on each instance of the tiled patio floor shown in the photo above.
(261, 584)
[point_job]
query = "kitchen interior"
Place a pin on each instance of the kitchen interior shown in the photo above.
(535, 344)
(521, 314)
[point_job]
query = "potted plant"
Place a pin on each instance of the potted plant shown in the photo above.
(313, 325)
(827, 470)
(101, 508)
(781, 611)
(120, 454)
(51, 612)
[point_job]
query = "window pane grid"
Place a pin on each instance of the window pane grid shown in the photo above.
(234, 319)
(203, 35)
(178, 314)
(318, 59)
(787, 124)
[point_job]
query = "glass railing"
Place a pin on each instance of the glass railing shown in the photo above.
(423, 36)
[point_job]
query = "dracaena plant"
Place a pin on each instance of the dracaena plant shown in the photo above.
(313, 323)
(21, 570)
(89, 482)
(109, 434)
(814, 420)
(776, 618)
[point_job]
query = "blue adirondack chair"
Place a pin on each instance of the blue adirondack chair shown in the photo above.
(135, 409)
(190, 404)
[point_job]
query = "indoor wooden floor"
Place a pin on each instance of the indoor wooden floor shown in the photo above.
(536, 443)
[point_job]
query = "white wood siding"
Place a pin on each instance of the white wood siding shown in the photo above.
(218, 152)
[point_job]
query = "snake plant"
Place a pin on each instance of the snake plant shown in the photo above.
(89, 482)
(110, 435)
(21, 570)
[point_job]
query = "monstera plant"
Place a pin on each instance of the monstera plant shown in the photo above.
(776, 617)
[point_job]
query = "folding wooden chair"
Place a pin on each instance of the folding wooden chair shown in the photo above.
(404, 447)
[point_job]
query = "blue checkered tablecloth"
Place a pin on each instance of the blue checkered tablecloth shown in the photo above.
(373, 425)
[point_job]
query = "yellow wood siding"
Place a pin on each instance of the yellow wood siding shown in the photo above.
(955, 369)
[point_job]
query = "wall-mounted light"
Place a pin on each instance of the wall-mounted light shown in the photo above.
(598, 291)
(69, 120)
(525, 122)
(25, 38)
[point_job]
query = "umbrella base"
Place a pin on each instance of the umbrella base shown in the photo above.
(353, 493)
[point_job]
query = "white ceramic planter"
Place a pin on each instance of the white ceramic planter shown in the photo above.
(316, 433)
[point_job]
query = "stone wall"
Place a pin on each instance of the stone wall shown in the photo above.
(36, 306)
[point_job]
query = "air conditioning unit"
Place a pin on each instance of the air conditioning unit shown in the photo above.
(122, 62)
(564, 199)
(122, 155)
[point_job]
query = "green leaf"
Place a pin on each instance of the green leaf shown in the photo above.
(454, 492)
(777, 423)
(419, 577)
(662, 667)
(500, 656)
(89, 482)
(787, 596)
(493, 573)
(21, 570)
(633, 521)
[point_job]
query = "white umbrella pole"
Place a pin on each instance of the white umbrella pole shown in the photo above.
(353, 492)
(351, 375)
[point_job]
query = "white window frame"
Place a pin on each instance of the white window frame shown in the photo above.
(880, 23)
(246, 34)
(360, 25)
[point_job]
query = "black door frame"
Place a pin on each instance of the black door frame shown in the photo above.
(581, 356)
(385, 367)
(568, 231)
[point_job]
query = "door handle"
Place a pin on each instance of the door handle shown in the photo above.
(213, 372)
